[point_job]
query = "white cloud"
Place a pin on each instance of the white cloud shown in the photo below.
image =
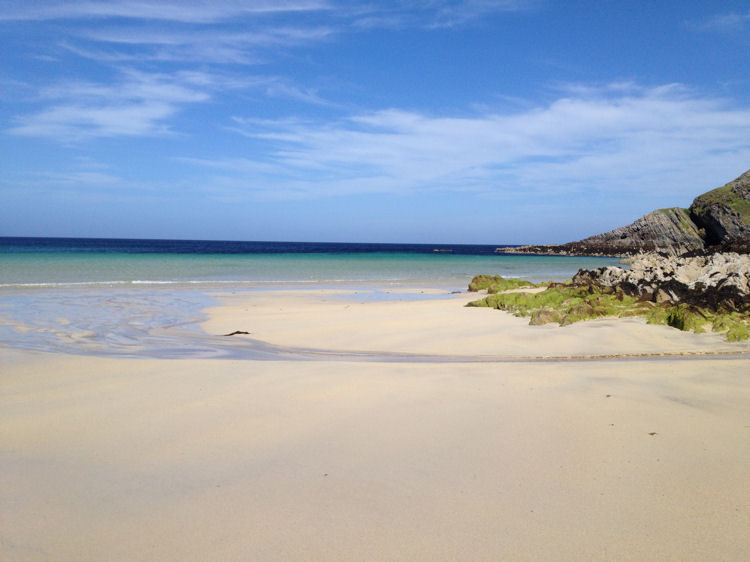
(725, 23)
(431, 13)
(205, 44)
(76, 122)
(138, 103)
(458, 12)
(629, 139)
(186, 11)
(192, 31)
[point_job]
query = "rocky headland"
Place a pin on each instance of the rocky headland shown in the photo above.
(717, 221)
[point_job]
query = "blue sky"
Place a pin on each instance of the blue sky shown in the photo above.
(473, 121)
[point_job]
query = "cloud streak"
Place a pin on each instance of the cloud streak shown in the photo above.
(201, 32)
(184, 11)
(207, 44)
(732, 22)
(138, 103)
(435, 13)
(619, 138)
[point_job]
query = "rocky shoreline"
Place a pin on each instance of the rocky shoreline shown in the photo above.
(720, 282)
(699, 293)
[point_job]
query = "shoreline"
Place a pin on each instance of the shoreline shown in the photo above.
(373, 323)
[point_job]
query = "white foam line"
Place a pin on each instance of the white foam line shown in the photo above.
(63, 284)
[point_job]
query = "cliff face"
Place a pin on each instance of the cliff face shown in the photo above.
(667, 230)
(718, 220)
(724, 213)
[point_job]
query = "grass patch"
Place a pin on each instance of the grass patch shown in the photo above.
(724, 195)
(566, 304)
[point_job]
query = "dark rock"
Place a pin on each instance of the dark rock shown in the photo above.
(668, 231)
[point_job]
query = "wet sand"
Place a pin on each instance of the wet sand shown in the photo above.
(122, 459)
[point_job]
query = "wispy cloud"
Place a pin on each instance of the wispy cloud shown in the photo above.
(202, 32)
(340, 14)
(620, 137)
(137, 104)
(432, 13)
(459, 12)
(186, 11)
(732, 22)
(200, 45)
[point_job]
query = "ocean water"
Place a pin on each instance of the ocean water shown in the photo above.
(143, 298)
(60, 262)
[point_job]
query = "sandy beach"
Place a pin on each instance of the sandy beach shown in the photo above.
(528, 455)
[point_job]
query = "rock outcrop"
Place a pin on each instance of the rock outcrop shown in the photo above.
(668, 231)
(717, 221)
(719, 282)
(724, 213)
(700, 293)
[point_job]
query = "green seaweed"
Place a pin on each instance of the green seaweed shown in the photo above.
(566, 304)
(687, 319)
(737, 328)
(738, 331)
(497, 284)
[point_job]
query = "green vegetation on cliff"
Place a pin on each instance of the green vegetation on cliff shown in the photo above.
(725, 196)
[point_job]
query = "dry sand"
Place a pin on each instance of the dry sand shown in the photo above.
(129, 459)
(349, 321)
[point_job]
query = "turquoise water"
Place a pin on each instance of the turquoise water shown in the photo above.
(52, 269)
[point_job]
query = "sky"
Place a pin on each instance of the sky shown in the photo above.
(425, 121)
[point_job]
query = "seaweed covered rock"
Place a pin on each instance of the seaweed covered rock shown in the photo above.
(562, 303)
(496, 284)
(695, 294)
(717, 282)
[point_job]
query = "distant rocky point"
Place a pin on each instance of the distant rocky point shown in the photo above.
(717, 221)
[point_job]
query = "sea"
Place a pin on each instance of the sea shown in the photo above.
(144, 298)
